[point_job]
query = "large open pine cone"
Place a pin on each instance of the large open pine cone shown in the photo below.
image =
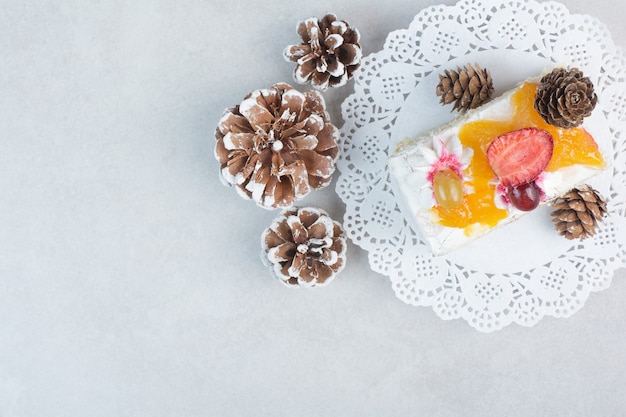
(578, 212)
(467, 87)
(565, 97)
(329, 53)
(304, 247)
(277, 145)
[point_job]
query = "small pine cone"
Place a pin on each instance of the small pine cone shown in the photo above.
(467, 88)
(277, 145)
(304, 247)
(578, 212)
(329, 54)
(565, 97)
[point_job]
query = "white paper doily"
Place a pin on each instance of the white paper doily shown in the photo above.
(518, 273)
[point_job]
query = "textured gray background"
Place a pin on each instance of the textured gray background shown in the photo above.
(130, 281)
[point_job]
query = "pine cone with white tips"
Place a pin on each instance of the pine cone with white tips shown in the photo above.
(277, 145)
(304, 247)
(329, 54)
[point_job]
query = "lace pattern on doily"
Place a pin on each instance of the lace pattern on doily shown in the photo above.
(528, 290)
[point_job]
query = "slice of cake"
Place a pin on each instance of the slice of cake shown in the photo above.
(500, 161)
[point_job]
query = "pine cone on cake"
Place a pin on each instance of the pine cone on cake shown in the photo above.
(578, 213)
(329, 54)
(467, 87)
(304, 247)
(565, 97)
(277, 145)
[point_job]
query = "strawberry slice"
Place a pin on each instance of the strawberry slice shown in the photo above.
(518, 157)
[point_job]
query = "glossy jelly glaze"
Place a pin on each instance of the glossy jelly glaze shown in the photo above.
(571, 147)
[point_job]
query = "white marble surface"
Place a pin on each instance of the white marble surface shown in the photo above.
(130, 281)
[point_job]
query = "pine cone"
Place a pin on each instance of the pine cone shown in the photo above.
(578, 212)
(467, 88)
(329, 54)
(277, 145)
(564, 98)
(304, 247)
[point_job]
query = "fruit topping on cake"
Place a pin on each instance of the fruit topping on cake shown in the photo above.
(518, 158)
